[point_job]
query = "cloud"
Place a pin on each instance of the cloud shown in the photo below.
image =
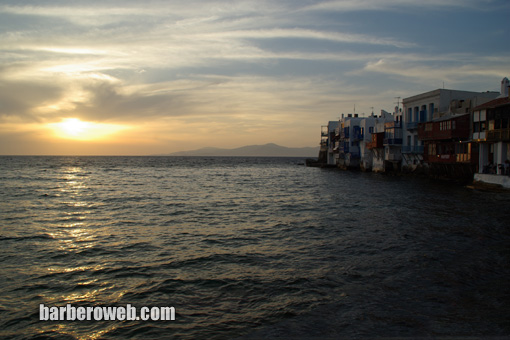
(18, 99)
(227, 68)
(313, 34)
(380, 5)
(450, 68)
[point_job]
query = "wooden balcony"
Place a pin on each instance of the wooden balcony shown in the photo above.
(392, 141)
(377, 141)
(454, 128)
(498, 135)
(450, 158)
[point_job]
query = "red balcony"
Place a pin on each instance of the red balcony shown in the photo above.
(377, 141)
(448, 129)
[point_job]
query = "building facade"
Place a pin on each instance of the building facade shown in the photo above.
(448, 149)
(491, 130)
(427, 107)
(393, 142)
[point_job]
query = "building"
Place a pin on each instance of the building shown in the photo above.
(393, 142)
(367, 126)
(376, 156)
(491, 129)
(348, 135)
(427, 107)
(448, 150)
(329, 139)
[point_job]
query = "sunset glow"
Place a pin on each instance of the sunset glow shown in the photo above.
(184, 76)
(73, 128)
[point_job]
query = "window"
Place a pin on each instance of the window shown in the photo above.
(371, 129)
(432, 149)
(431, 111)
(476, 127)
(461, 148)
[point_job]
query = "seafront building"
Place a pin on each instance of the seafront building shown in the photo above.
(393, 142)
(347, 137)
(328, 142)
(373, 156)
(349, 141)
(445, 133)
(432, 106)
(448, 150)
(491, 130)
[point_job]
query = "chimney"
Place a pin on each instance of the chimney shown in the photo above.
(505, 84)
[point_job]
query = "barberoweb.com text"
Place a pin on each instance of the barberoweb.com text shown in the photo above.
(105, 313)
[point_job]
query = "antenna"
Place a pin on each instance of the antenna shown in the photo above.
(397, 102)
(372, 110)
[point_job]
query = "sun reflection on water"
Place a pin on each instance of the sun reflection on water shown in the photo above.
(81, 261)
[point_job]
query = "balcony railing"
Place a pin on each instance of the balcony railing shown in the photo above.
(324, 131)
(356, 136)
(392, 141)
(463, 158)
(412, 149)
(412, 126)
(498, 135)
(394, 157)
(393, 124)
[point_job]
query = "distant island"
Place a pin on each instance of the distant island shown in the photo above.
(266, 150)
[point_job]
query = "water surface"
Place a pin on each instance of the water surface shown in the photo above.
(248, 247)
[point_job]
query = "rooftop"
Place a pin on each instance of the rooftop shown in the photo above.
(494, 103)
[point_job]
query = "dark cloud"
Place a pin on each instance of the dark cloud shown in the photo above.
(20, 98)
(107, 103)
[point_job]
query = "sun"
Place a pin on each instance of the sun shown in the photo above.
(74, 128)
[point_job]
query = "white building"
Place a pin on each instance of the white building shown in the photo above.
(330, 141)
(372, 148)
(393, 142)
(348, 134)
(367, 128)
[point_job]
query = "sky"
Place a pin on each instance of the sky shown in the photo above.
(154, 77)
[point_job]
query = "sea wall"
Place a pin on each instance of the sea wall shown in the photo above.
(503, 181)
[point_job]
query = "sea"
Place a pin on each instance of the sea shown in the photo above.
(247, 248)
